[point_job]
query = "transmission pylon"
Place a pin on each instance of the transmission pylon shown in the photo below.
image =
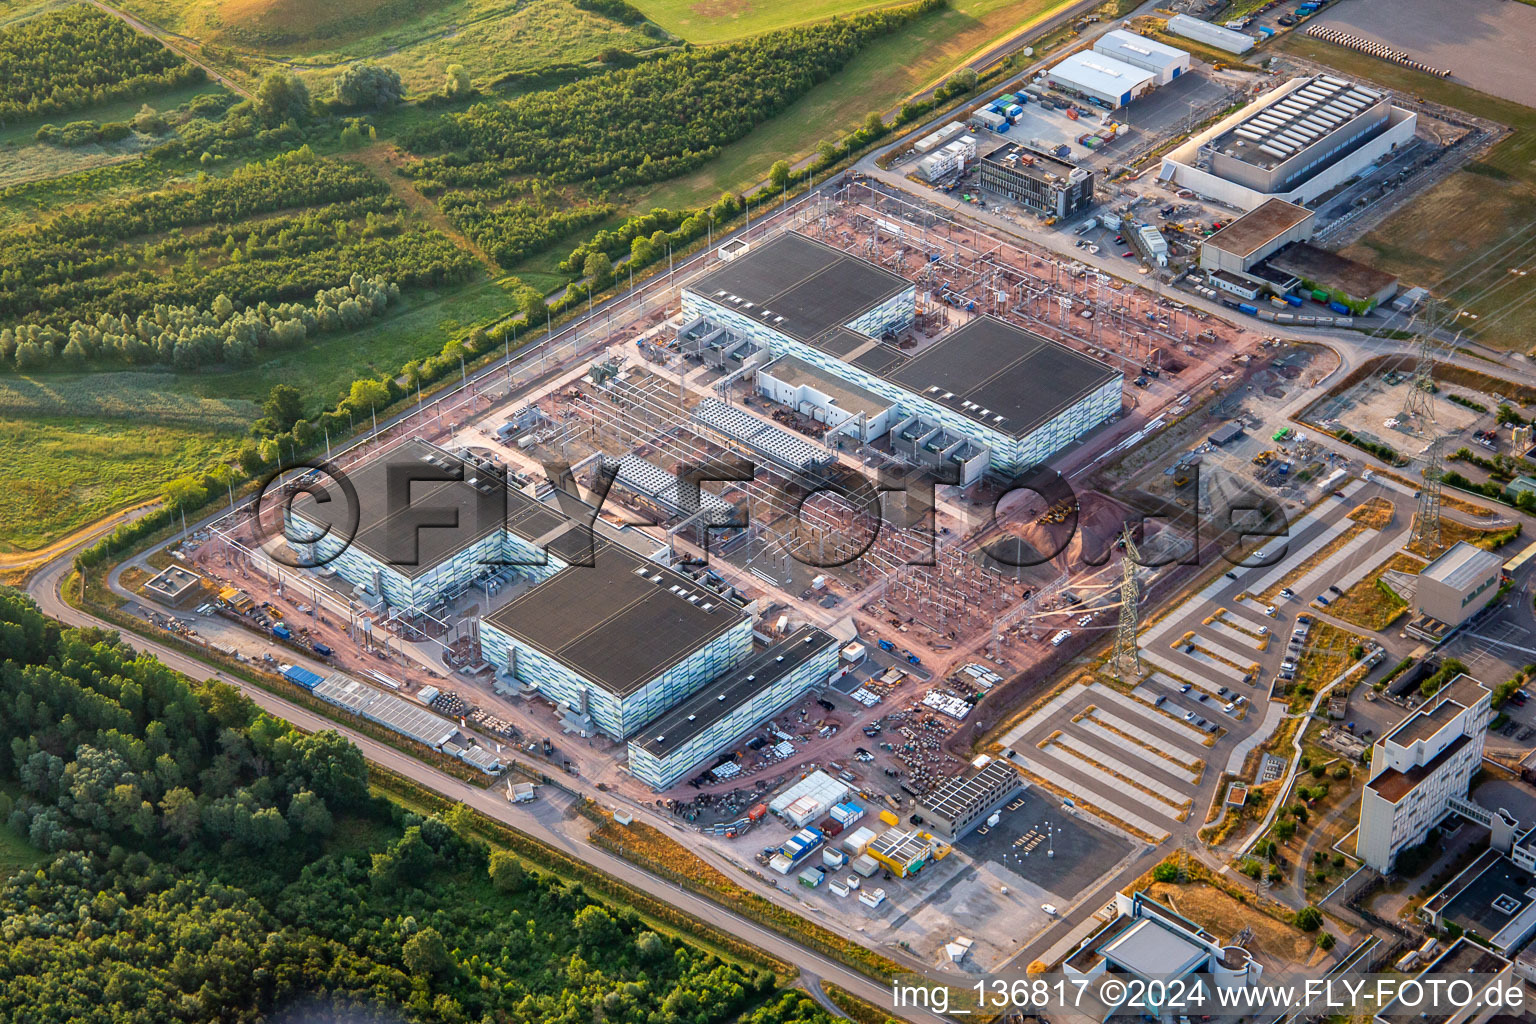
(1426, 521)
(1126, 653)
(1418, 409)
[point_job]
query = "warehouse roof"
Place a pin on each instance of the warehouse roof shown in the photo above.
(1139, 50)
(1100, 73)
(620, 622)
(727, 694)
(1330, 270)
(1463, 566)
(1258, 227)
(1001, 376)
(799, 286)
(407, 515)
(1290, 122)
(958, 796)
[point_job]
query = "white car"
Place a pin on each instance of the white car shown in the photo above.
(1189, 716)
(1263, 631)
(1049, 908)
(1270, 611)
(1230, 707)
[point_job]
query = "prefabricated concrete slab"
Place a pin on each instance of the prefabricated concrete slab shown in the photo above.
(1100, 691)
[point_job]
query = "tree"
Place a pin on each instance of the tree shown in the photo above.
(1167, 871)
(598, 269)
(457, 82)
(282, 97)
(281, 409)
(425, 954)
(367, 395)
(778, 174)
(873, 125)
(184, 492)
(1284, 830)
(507, 873)
(1308, 919)
(366, 86)
(595, 927)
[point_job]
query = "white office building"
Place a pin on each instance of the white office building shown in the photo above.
(1420, 771)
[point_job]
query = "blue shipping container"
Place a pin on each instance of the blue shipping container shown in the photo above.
(323, 650)
(302, 677)
(1339, 308)
(1249, 308)
(1294, 300)
(281, 631)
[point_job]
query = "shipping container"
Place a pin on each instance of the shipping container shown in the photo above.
(757, 812)
(864, 865)
(1294, 300)
(832, 827)
(282, 632)
(1339, 308)
(833, 858)
(301, 677)
(1318, 295)
(1247, 307)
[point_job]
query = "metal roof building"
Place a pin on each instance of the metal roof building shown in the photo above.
(1458, 583)
(1101, 77)
(1164, 61)
(961, 804)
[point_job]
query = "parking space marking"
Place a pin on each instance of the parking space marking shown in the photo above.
(1231, 654)
(1163, 799)
(1233, 633)
(1109, 807)
(1047, 714)
(1165, 739)
(1151, 714)
(1164, 743)
(1136, 750)
(1259, 579)
(1327, 570)
(1208, 667)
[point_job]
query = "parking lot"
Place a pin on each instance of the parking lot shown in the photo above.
(1143, 758)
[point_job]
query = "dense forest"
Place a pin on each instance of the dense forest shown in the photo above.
(210, 863)
(274, 231)
(80, 57)
(628, 127)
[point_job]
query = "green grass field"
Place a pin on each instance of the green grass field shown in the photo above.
(15, 852)
(1469, 213)
(879, 78)
(713, 21)
(64, 472)
(489, 37)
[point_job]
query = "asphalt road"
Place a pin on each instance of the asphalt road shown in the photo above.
(44, 589)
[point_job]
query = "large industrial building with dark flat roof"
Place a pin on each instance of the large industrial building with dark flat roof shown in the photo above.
(1039, 181)
(988, 395)
(608, 634)
(1298, 143)
(751, 693)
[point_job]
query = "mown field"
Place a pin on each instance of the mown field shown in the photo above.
(63, 472)
(1484, 209)
(417, 38)
(714, 21)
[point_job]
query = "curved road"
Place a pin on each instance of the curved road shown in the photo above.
(44, 588)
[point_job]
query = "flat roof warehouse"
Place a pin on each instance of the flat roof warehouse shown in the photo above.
(728, 693)
(1004, 377)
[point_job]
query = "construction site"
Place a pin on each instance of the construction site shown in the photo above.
(929, 599)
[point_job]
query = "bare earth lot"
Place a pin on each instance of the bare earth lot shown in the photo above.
(1487, 44)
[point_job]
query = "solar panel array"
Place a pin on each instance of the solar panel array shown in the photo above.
(1323, 105)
